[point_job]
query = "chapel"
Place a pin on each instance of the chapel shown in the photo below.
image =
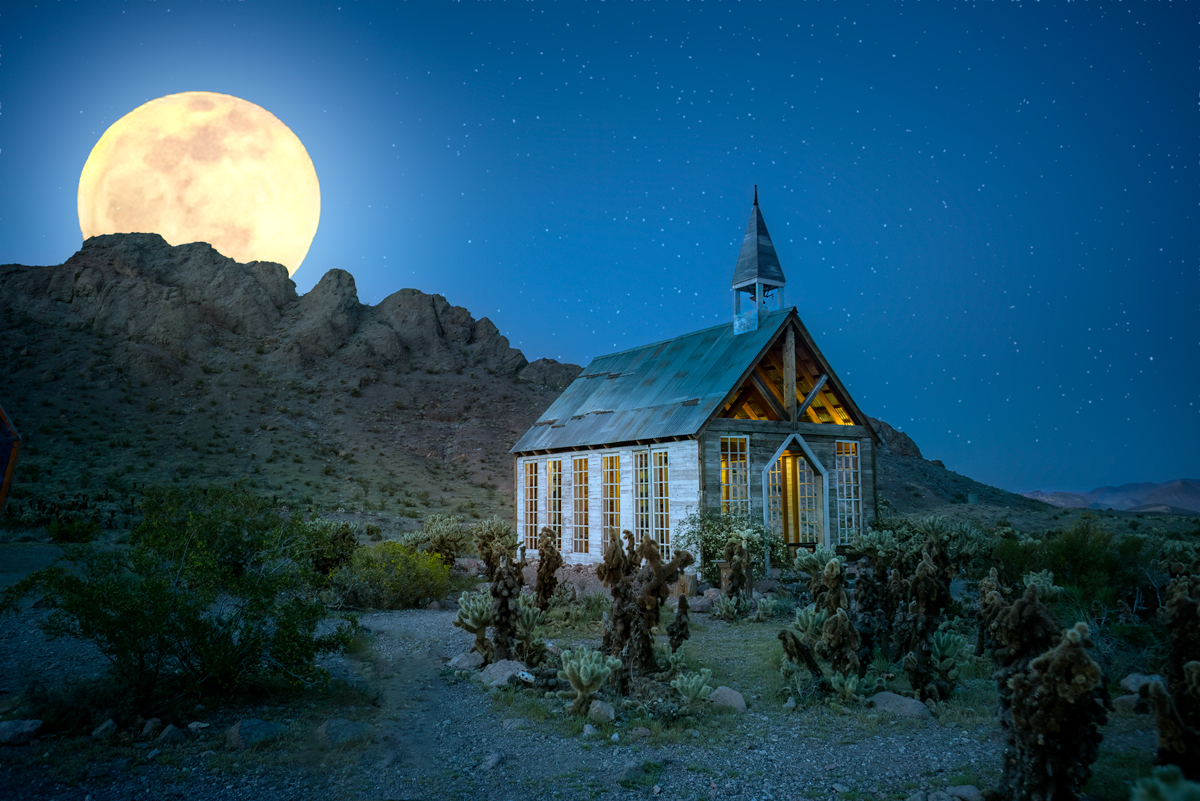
(744, 417)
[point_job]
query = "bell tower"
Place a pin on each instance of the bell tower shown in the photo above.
(757, 275)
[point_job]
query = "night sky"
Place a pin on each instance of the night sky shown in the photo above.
(987, 213)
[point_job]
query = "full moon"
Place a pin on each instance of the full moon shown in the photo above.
(204, 167)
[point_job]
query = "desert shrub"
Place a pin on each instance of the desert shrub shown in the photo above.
(442, 535)
(331, 544)
(215, 593)
(706, 534)
(73, 528)
(388, 575)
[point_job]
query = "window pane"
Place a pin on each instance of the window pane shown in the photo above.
(531, 505)
(610, 500)
(580, 493)
(554, 499)
(662, 504)
(735, 475)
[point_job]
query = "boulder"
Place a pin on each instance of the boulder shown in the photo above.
(105, 731)
(589, 730)
(171, 736)
(471, 660)
(1133, 681)
(937, 795)
(639, 733)
(964, 792)
(899, 705)
(601, 712)
(497, 674)
(728, 698)
(701, 604)
(19, 732)
(712, 593)
(251, 732)
(150, 729)
(333, 733)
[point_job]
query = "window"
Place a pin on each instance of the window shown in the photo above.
(849, 495)
(641, 494)
(531, 505)
(808, 531)
(735, 475)
(554, 500)
(662, 504)
(610, 500)
(580, 493)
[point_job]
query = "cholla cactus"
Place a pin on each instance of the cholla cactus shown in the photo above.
(875, 544)
(809, 622)
(839, 643)
(494, 538)
(677, 662)
(445, 536)
(767, 609)
(474, 616)
(845, 688)
(586, 670)
(1044, 579)
(694, 686)
(947, 648)
(1166, 784)
(505, 589)
(549, 561)
(1057, 707)
(730, 607)
(530, 647)
(677, 630)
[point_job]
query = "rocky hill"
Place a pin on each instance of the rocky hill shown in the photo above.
(136, 363)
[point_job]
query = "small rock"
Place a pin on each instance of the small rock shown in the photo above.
(105, 731)
(937, 795)
(498, 673)
(1133, 681)
(728, 698)
(701, 604)
(789, 705)
(333, 733)
(1131, 705)
(965, 792)
(250, 732)
(657, 789)
(516, 724)
(197, 725)
(616, 738)
(712, 594)
(19, 732)
(639, 733)
(694, 732)
(917, 796)
(150, 729)
(631, 773)
(491, 761)
(840, 788)
(171, 736)
(471, 660)
(434, 606)
(199, 708)
(899, 705)
(601, 712)
(589, 730)
(150, 757)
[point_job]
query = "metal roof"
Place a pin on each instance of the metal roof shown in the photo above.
(757, 261)
(664, 390)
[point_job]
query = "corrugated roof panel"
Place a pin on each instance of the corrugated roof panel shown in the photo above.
(646, 399)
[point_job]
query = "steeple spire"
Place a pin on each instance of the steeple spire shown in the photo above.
(757, 272)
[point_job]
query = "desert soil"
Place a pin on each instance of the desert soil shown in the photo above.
(441, 737)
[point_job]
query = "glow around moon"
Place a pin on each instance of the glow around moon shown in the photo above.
(204, 167)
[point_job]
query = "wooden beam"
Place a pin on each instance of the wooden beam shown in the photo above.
(771, 403)
(738, 399)
(789, 376)
(768, 384)
(812, 396)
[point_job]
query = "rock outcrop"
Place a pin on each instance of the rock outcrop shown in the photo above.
(171, 303)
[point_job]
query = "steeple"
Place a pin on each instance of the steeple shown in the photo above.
(757, 273)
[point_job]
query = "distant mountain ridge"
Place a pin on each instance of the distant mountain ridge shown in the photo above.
(1182, 493)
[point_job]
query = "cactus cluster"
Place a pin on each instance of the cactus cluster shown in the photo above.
(505, 588)
(586, 670)
(1052, 699)
(494, 538)
(530, 647)
(1177, 707)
